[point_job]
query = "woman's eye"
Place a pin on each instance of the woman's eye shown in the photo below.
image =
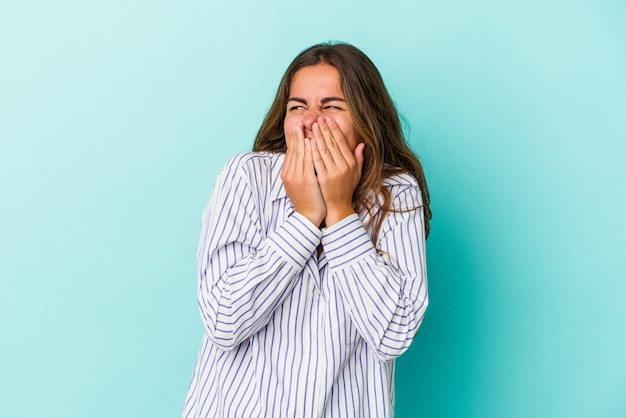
(292, 108)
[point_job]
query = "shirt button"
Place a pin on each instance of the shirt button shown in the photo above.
(316, 292)
(312, 379)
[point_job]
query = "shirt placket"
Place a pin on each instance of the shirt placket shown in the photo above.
(317, 372)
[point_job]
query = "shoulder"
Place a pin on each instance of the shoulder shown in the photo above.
(251, 160)
(252, 165)
(404, 189)
(257, 172)
(400, 180)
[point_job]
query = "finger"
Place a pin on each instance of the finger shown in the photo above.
(295, 149)
(309, 165)
(340, 140)
(358, 156)
(298, 149)
(327, 152)
(318, 160)
(289, 139)
(324, 129)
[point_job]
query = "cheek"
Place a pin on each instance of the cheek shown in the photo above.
(288, 125)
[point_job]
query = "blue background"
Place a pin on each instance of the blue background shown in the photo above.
(116, 116)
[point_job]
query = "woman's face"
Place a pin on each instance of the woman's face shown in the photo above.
(316, 91)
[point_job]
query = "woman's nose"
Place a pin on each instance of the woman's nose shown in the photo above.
(309, 119)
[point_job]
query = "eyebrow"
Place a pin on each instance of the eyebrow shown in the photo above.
(324, 100)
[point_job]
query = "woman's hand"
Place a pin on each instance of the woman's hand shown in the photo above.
(338, 168)
(298, 176)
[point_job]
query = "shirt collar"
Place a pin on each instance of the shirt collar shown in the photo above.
(278, 189)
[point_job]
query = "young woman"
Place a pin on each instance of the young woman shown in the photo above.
(311, 262)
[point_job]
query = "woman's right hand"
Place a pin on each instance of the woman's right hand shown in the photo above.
(298, 176)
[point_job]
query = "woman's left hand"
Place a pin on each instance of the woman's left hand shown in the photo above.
(338, 168)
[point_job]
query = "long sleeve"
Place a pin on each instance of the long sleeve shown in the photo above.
(244, 271)
(385, 291)
(290, 331)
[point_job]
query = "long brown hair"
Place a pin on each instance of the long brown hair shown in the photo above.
(375, 118)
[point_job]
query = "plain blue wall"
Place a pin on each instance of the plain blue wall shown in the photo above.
(116, 116)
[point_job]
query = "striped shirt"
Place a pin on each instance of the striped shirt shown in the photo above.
(293, 332)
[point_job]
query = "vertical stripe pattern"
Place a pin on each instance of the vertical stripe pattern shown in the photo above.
(288, 332)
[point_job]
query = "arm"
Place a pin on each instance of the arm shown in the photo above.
(386, 293)
(243, 274)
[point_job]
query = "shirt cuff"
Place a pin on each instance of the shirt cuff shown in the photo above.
(346, 242)
(297, 238)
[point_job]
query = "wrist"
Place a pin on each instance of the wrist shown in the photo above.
(315, 218)
(337, 215)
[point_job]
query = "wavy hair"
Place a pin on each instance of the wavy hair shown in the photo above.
(376, 123)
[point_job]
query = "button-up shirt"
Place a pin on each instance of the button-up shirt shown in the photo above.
(301, 321)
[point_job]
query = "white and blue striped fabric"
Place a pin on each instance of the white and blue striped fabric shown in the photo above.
(293, 332)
